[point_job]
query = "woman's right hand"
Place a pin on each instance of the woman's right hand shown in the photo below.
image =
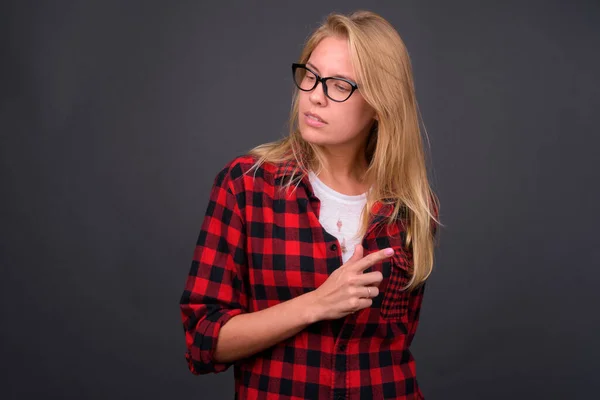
(348, 289)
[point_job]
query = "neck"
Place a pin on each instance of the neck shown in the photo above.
(343, 167)
(343, 170)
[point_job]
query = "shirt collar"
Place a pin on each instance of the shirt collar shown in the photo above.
(287, 168)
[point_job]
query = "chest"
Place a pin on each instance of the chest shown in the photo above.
(290, 252)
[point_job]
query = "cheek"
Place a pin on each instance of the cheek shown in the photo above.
(304, 101)
(355, 118)
(349, 118)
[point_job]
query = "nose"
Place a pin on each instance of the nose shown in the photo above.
(317, 95)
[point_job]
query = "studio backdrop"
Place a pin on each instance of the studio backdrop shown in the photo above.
(115, 117)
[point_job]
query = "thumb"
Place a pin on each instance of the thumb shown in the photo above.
(358, 252)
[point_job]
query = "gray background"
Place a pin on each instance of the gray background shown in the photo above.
(116, 116)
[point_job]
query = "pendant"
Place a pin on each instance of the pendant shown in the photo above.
(344, 245)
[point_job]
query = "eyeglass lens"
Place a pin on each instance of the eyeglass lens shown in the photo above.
(337, 89)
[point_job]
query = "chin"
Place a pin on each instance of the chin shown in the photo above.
(312, 135)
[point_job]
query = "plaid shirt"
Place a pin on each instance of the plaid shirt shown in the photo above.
(254, 238)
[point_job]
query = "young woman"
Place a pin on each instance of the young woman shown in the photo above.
(310, 266)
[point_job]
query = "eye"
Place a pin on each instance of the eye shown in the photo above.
(342, 86)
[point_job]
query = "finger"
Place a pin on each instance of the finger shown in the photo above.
(365, 292)
(363, 303)
(373, 278)
(370, 292)
(372, 258)
(357, 255)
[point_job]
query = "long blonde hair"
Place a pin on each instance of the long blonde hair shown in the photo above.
(394, 149)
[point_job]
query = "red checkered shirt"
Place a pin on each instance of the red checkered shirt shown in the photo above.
(259, 246)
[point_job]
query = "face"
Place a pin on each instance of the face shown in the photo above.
(340, 123)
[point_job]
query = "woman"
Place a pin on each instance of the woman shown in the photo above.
(309, 295)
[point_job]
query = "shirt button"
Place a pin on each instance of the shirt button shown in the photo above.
(342, 347)
(333, 247)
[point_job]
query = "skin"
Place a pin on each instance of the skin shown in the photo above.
(343, 137)
(348, 289)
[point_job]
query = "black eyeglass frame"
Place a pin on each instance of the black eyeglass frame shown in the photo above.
(318, 79)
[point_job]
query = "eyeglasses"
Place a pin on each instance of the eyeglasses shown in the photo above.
(337, 89)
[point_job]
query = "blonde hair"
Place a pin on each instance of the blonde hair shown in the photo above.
(394, 150)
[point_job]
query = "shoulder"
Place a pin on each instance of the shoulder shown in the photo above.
(241, 173)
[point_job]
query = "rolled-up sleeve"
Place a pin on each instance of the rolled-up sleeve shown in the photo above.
(214, 291)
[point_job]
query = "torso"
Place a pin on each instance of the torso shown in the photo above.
(340, 215)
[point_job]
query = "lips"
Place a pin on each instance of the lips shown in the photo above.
(315, 116)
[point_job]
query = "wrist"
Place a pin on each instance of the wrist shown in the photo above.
(311, 308)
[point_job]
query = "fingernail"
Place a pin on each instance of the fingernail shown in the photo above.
(388, 251)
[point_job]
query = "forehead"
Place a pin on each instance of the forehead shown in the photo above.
(332, 58)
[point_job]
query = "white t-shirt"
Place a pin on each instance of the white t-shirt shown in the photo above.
(340, 214)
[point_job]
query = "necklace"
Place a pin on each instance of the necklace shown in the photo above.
(344, 246)
(320, 186)
(339, 225)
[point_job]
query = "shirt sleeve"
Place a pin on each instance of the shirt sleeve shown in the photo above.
(214, 290)
(414, 311)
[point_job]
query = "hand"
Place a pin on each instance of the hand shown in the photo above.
(348, 289)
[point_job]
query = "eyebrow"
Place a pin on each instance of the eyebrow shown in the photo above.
(313, 66)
